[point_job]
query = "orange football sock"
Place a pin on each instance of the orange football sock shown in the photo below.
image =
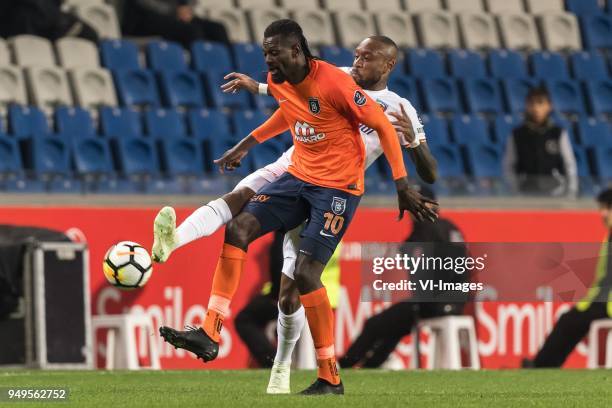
(321, 323)
(225, 283)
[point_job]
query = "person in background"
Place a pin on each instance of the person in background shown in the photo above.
(574, 325)
(382, 332)
(539, 158)
(43, 18)
(174, 20)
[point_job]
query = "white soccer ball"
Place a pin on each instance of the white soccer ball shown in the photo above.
(127, 265)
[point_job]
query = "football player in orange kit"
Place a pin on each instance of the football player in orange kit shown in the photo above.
(323, 108)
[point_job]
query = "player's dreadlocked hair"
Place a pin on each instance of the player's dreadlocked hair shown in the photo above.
(286, 28)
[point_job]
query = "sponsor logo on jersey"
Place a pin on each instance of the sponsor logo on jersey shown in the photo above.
(260, 198)
(383, 105)
(305, 133)
(313, 105)
(359, 98)
(338, 205)
(366, 130)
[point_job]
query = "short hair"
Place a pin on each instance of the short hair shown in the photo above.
(605, 197)
(384, 40)
(289, 28)
(539, 91)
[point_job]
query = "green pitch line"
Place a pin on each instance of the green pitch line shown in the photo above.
(364, 388)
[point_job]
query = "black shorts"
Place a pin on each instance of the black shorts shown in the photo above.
(288, 202)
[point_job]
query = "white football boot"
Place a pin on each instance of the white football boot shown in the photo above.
(279, 379)
(164, 235)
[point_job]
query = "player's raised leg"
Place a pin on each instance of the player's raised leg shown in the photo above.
(207, 219)
(274, 208)
(203, 222)
(204, 341)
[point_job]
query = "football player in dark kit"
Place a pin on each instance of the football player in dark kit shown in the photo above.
(574, 325)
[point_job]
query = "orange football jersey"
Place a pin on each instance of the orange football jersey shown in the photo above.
(323, 113)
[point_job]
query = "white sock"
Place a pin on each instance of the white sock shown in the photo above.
(203, 222)
(289, 328)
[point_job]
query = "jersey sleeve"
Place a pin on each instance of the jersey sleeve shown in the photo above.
(274, 126)
(417, 125)
(349, 99)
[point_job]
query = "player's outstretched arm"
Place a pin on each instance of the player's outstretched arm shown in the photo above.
(274, 126)
(426, 165)
(237, 81)
(231, 158)
(422, 208)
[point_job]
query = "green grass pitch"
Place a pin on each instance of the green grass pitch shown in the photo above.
(364, 388)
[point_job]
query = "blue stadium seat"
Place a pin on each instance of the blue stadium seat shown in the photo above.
(211, 127)
(449, 160)
(503, 127)
(92, 156)
(181, 89)
(10, 156)
(265, 153)
(250, 60)
(26, 121)
(588, 66)
(181, 157)
(208, 124)
(406, 87)
(483, 95)
(219, 99)
(136, 156)
(207, 55)
(583, 7)
(120, 122)
(466, 64)
(470, 130)
(164, 124)
(515, 92)
(596, 31)
(549, 65)
(436, 130)
(265, 103)
(119, 54)
(74, 122)
(507, 64)
(441, 95)
(48, 156)
(603, 163)
(484, 160)
(339, 56)
(136, 88)
(566, 96)
(582, 163)
(424, 63)
(245, 121)
(594, 133)
(165, 55)
(600, 97)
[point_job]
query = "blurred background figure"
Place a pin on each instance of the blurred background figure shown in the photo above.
(253, 321)
(539, 158)
(382, 332)
(43, 18)
(574, 325)
(174, 20)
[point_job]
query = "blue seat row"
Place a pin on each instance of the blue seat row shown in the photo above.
(583, 65)
(486, 95)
